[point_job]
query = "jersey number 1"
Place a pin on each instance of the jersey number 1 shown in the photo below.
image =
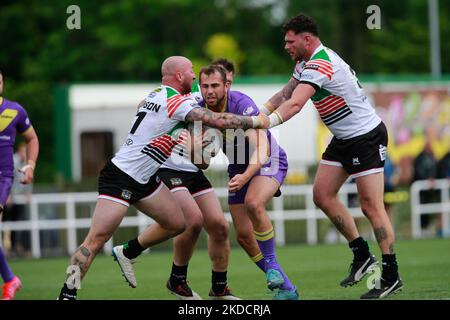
(140, 116)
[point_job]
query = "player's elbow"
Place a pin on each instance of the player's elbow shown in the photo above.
(296, 106)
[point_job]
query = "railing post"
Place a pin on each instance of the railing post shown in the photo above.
(71, 225)
(415, 210)
(280, 235)
(311, 219)
(35, 236)
(445, 199)
(142, 221)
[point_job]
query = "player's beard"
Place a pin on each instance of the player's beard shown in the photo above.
(300, 56)
(216, 106)
(186, 88)
(219, 102)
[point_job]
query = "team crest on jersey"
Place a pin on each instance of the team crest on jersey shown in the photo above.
(248, 110)
(176, 181)
(356, 162)
(126, 194)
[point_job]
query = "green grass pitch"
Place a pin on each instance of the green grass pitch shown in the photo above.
(315, 270)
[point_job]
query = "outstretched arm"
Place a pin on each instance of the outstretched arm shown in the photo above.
(292, 106)
(280, 97)
(221, 120)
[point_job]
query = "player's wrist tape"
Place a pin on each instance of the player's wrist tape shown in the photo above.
(275, 119)
(267, 108)
(28, 166)
(258, 121)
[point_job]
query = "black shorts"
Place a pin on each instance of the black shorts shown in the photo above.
(116, 185)
(194, 182)
(361, 155)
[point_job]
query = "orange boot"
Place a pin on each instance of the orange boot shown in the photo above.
(10, 288)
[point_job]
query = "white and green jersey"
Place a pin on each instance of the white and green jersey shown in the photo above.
(178, 160)
(157, 128)
(340, 100)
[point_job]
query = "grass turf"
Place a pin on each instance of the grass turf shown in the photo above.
(424, 266)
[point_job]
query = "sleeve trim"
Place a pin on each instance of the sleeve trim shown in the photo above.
(312, 84)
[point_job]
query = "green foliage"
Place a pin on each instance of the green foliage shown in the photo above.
(223, 45)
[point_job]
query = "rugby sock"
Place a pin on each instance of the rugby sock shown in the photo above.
(5, 271)
(390, 267)
(219, 281)
(132, 249)
(360, 249)
(266, 243)
(178, 275)
(67, 294)
(259, 261)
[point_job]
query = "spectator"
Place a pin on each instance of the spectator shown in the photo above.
(425, 168)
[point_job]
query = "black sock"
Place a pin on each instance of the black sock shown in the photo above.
(132, 249)
(219, 281)
(360, 249)
(390, 267)
(178, 274)
(67, 293)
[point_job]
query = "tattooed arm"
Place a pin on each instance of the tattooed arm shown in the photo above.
(292, 106)
(221, 120)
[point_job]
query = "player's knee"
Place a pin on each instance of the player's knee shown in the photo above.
(371, 209)
(320, 198)
(194, 229)
(177, 226)
(220, 231)
(195, 224)
(254, 205)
